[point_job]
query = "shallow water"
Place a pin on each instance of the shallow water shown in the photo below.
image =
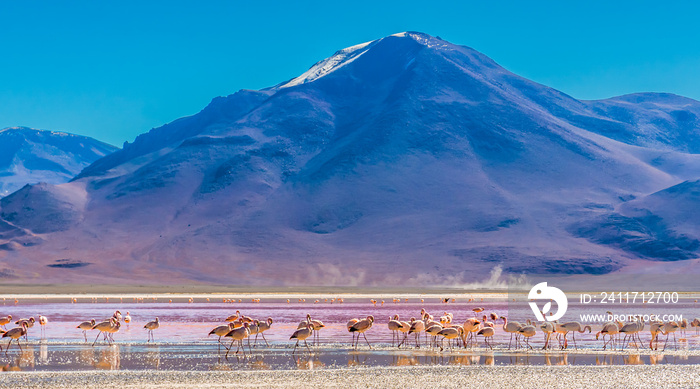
(56, 357)
(181, 342)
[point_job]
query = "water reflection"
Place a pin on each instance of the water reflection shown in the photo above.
(612, 359)
(357, 359)
(12, 366)
(404, 360)
(655, 359)
(308, 363)
(26, 357)
(633, 359)
(152, 359)
(258, 363)
(558, 360)
(43, 353)
(108, 359)
(86, 355)
(43, 356)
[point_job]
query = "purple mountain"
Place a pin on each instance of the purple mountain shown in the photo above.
(405, 160)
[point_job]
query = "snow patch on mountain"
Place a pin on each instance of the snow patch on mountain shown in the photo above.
(330, 64)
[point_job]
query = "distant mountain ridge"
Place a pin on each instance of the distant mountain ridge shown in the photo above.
(406, 160)
(29, 156)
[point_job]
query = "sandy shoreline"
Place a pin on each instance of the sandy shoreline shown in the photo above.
(416, 376)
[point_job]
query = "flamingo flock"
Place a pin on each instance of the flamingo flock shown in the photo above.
(441, 331)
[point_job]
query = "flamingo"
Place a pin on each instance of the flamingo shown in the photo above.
(485, 322)
(127, 319)
(302, 334)
(233, 317)
(316, 325)
(238, 334)
(670, 328)
(150, 326)
(85, 326)
(103, 327)
(528, 331)
(117, 315)
(361, 327)
(470, 326)
(113, 329)
(449, 334)
(573, 327)
(548, 329)
(405, 327)
(476, 328)
(29, 322)
(221, 331)
(262, 327)
(611, 329)
(253, 329)
(445, 319)
(511, 327)
(478, 310)
(683, 325)
(656, 328)
(630, 330)
(394, 326)
(429, 322)
(42, 322)
(15, 334)
(434, 330)
(349, 325)
(487, 332)
(695, 323)
(417, 327)
(5, 320)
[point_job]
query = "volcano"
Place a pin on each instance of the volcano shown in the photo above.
(407, 160)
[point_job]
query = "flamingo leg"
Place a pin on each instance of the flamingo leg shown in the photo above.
(675, 343)
(230, 347)
(263, 336)
(365, 336)
(98, 335)
(404, 339)
(229, 350)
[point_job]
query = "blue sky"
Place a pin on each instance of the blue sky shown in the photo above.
(113, 70)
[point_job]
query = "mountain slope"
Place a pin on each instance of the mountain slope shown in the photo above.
(403, 160)
(28, 156)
